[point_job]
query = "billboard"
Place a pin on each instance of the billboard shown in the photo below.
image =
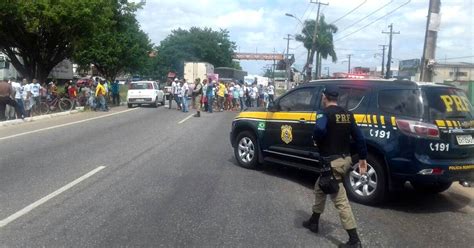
(408, 68)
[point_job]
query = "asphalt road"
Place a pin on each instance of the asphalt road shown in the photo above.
(141, 179)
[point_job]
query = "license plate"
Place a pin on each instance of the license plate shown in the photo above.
(465, 140)
(139, 100)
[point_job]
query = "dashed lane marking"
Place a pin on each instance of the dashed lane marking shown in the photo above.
(43, 200)
(185, 119)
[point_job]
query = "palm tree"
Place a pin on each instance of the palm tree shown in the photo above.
(323, 47)
(325, 43)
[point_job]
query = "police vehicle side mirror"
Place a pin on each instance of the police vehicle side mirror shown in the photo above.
(272, 107)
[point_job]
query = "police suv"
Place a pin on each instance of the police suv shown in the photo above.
(416, 132)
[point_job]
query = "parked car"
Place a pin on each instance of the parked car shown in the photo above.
(145, 93)
(416, 132)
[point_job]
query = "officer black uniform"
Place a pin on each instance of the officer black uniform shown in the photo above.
(332, 132)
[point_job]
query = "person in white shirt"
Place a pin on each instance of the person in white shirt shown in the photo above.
(254, 95)
(184, 95)
(271, 93)
(35, 88)
(18, 88)
(241, 96)
(175, 88)
(27, 96)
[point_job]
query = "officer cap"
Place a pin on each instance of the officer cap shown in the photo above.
(331, 91)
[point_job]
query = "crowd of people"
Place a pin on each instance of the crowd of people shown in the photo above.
(209, 95)
(20, 99)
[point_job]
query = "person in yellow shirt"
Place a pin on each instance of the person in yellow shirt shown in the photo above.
(220, 95)
(100, 95)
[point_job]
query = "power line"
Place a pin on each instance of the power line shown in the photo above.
(348, 13)
(306, 12)
(356, 50)
(464, 57)
(367, 16)
(376, 20)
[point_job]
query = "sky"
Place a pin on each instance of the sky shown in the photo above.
(261, 25)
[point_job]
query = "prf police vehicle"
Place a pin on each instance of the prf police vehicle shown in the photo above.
(416, 132)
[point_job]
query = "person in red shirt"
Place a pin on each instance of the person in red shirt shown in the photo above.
(72, 92)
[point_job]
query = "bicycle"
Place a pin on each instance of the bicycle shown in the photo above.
(63, 104)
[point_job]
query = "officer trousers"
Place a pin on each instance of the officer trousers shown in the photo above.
(340, 166)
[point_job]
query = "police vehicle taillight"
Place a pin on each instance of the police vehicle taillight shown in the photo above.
(419, 129)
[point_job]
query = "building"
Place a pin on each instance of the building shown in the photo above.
(7, 70)
(459, 74)
(62, 71)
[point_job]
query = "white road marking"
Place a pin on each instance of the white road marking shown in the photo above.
(41, 201)
(64, 125)
(185, 119)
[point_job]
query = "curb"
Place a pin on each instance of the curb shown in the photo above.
(35, 118)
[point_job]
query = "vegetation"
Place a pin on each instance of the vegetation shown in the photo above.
(323, 47)
(43, 33)
(37, 35)
(117, 48)
(193, 45)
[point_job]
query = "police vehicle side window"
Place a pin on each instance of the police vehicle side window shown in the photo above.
(352, 98)
(358, 99)
(401, 102)
(298, 100)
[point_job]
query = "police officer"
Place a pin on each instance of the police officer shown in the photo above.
(332, 132)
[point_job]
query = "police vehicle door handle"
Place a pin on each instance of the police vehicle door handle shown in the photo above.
(302, 120)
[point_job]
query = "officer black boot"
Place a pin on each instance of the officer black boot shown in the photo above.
(354, 241)
(313, 223)
(198, 114)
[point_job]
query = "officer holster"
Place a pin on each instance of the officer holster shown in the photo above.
(327, 182)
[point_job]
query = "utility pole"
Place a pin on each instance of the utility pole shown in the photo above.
(274, 66)
(388, 74)
(349, 63)
(383, 59)
(316, 67)
(431, 36)
(287, 60)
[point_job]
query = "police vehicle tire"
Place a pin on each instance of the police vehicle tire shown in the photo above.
(163, 101)
(433, 188)
(370, 189)
(129, 105)
(246, 150)
(155, 104)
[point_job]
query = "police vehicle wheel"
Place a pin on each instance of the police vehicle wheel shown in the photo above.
(246, 150)
(369, 188)
(433, 188)
(155, 104)
(129, 105)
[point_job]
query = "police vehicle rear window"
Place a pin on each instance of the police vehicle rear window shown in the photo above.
(141, 86)
(447, 103)
(401, 102)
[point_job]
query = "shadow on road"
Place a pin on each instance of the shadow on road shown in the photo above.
(411, 201)
(405, 200)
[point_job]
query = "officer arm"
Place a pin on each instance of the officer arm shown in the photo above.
(357, 135)
(320, 128)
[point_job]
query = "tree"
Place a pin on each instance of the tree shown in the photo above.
(323, 45)
(195, 45)
(119, 48)
(37, 35)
